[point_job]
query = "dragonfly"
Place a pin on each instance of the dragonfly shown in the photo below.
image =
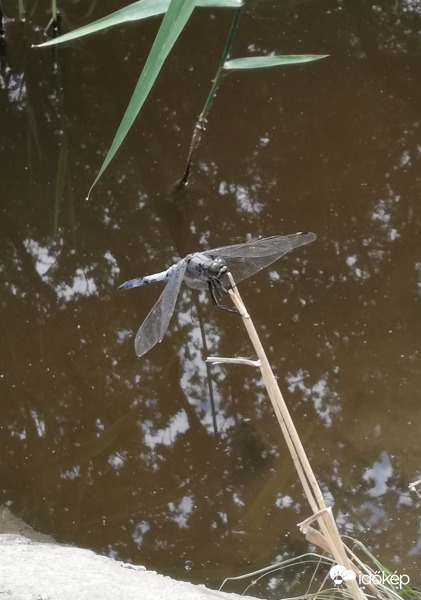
(206, 271)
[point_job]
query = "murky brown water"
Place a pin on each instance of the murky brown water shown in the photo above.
(118, 454)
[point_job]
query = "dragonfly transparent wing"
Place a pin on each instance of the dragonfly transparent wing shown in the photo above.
(244, 260)
(156, 323)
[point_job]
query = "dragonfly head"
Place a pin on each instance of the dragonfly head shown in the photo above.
(217, 269)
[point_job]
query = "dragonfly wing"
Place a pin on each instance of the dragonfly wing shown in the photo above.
(244, 260)
(156, 323)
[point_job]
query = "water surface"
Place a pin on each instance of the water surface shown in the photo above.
(120, 455)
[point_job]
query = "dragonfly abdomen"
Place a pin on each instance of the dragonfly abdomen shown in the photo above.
(139, 281)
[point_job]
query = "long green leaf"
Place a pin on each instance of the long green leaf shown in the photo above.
(139, 10)
(133, 12)
(259, 62)
(176, 17)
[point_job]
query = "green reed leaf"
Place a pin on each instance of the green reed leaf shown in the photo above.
(176, 17)
(260, 62)
(133, 12)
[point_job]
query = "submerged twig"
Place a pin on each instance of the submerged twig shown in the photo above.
(22, 11)
(208, 374)
(54, 21)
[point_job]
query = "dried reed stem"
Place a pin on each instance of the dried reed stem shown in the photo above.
(321, 513)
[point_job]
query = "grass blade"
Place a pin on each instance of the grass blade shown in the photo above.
(172, 25)
(133, 12)
(259, 62)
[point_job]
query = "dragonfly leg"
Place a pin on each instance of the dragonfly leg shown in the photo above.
(216, 287)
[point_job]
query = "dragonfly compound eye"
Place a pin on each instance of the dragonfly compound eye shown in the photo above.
(217, 268)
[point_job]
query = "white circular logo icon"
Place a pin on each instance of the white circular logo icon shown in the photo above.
(339, 574)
